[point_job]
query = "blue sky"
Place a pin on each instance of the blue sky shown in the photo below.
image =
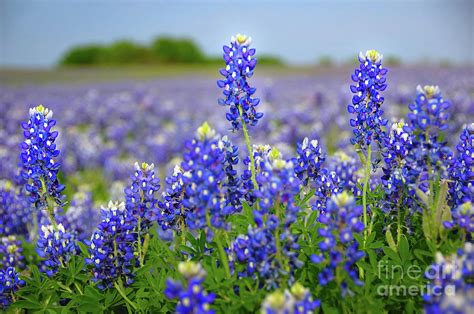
(36, 33)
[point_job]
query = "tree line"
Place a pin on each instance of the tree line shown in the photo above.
(162, 50)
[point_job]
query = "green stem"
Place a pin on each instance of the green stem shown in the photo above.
(220, 247)
(50, 206)
(364, 189)
(223, 255)
(119, 288)
(249, 148)
(139, 227)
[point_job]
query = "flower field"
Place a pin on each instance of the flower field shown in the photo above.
(347, 191)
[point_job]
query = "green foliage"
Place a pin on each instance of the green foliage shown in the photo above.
(162, 50)
(172, 50)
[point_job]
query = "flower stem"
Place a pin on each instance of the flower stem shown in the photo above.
(364, 190)
(119, 288)
(249, 148)
(50, 206)
(223, 255)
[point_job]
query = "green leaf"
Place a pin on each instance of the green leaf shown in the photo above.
(404, 249)
(390, 241)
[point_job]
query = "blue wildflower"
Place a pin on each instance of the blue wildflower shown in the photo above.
(346, 169)
(170, 212)
(204, 177)
(309, 160)
(450, 290)
(233, 183)
(429, 155)
(39, 156)
(328, 183)
(11, 253)
(462, 169)
(296, 301)
(462, 217)
(340, 220)
(366, 102)
(397, 167)
(192, 298)
(112, 247)
(240, 63)
(56, 246)
(15, 210)
(10, 283)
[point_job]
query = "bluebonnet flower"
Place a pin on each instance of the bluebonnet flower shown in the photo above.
(170, 212)
(429, 155)
(81, 215)
(339, 221)
(248, 191)
(15, 210)
(233, 184)
(112, 247)
(240, 63)
(346, 168)
(204, 177)
(462, 217)
(10, 283)
(11, 253)
(366, 102)
(397, 167)
(192, 298)
(277, 183)
(39, 158)
(450, 289)
(56, 246)
(140, 195)
(309, 160)
(462, 169)
(328, 183)
(296, 301)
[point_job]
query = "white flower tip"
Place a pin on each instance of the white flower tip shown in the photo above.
(46, 112)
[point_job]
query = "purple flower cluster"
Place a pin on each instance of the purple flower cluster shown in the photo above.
(233, 183)
(170, 213)
(240, 63)
(11, 253)
(462, 169)
(56, 246)
(429, 154)
(328, 183)
(450, 289)
(140, 195)
(309, 160)
(339, 221)
(366, 102)
(204, 178)
(10, 283)
(396, 170)
(462, 217)
(192, 298)
(346, 169)
(15, 210)
(112, 247)
(278, 187)
(39, 158)
(296, 301)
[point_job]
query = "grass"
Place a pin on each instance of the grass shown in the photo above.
(80, 75)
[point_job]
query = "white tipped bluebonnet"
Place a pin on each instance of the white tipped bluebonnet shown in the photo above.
(309, 160)
(367, 101)
(11, 253)
(10, 283)
(238, 94)
(56, 246)
(39, 156)
(192, 298)
(112, 247)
